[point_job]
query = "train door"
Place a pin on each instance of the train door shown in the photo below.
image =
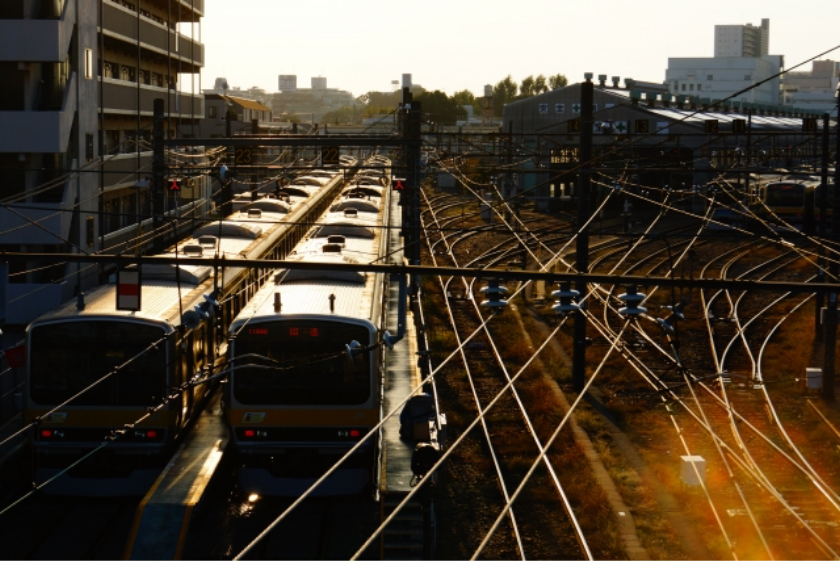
(185, 369)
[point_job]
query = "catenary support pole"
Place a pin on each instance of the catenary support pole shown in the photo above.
(823, 223)
(831, 310)
(158, 170)
(582, 242)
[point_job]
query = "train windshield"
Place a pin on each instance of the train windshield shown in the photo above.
(785, 194)
(305, 364)
(68, 357)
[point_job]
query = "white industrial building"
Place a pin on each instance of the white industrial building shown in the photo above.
(741, 61)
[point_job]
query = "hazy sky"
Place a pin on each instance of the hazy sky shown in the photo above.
(452, 45)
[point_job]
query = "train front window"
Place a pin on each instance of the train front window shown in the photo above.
(304, 364)
(68, 357)
(785, 195)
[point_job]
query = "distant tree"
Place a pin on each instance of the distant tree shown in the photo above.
(440, 109)
(526, 88)
(344, 116)
(503, 92)
(464, 97)
(557, 81)
(374, 110)
(539, 85)
(384, 99)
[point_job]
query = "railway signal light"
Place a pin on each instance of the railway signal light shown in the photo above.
(398, 184)
(175, 184)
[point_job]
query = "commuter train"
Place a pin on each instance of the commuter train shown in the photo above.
(788, 198)
(306, 355)
(126, 362)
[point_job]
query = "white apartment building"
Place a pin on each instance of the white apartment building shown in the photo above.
(742, 40)
(79, 80)
(719, 78)
(813, 89)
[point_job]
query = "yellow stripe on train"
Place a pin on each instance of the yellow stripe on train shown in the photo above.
(99, 418)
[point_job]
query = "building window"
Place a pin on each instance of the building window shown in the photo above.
(699, 87)
(710, 77)
(128, 73)
(88, 146)
(691, 87)
(89, 64)
(212, 112)
(747, 77)
(112, 141)
(89, 230)
(683, 87)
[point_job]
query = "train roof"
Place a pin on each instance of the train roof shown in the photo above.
(164, 293)
(340, 238)
(311, 180)
(362, 205)
(299, 298)
(160, 303)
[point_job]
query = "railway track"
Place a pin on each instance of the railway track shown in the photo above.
(486, 375)
(772, 532)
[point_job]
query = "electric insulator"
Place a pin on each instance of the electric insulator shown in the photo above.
(567, 298)
(632, 299)
(676, 313)
(494, 293)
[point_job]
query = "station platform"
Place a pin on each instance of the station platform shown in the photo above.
(162, 519)
(401, 377)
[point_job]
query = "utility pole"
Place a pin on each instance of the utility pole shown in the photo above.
(158, 171)
(409, 122)
(830, 313)
(818, 329)
(582, 245)
(413, 180)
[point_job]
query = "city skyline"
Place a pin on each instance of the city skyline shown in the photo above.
(364, 47)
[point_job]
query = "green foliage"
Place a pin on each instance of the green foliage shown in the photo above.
(344, 116)
(557, 81)
(464, 97)
(440, 109)
(390, 100)
(503, 92)
(526, 88)
(374, 110)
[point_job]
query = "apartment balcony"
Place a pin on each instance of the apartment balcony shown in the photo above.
(120, 170)
(121, 23)
(43, 132)
(53, 37)
(197, 5)
(120, 97)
